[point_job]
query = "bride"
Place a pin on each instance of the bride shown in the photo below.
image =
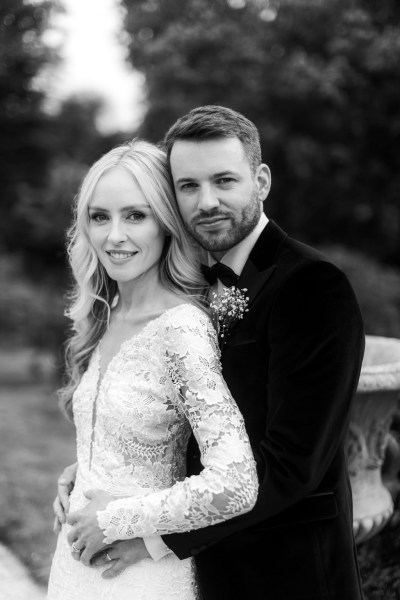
(144, 372)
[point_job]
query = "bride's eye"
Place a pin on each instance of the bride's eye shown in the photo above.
(136, 216)
(98, 217)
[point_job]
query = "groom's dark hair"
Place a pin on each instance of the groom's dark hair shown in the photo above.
(212, 122)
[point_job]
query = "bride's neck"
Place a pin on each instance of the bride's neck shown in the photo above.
(136, 298)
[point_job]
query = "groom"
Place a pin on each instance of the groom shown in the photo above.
(292, 365)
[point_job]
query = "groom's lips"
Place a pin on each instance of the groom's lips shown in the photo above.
(211, 221)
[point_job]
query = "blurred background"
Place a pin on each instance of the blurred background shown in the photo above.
(320, 78)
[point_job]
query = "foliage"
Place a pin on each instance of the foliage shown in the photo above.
(23, 153)
(42, 157)
(31, 310)
(23, 56)
(377, 288)
(45, 213)
(320, 80)
(379, 565)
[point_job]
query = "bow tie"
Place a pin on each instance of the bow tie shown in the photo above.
(220, 271)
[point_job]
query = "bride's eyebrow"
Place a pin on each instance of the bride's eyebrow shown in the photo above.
(124, 208)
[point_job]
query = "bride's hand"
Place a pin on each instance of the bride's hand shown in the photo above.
(86, 537)
(65, 484)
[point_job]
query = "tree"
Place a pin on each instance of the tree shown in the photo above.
(42, 157)
(45, 213)
(320, 80)
(23, 152)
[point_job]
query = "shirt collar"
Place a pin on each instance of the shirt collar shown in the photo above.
(236, 257)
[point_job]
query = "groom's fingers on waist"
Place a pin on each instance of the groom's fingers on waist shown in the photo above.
(73, 538)
(87, 554)
(56, 525)
(100, 559)
(63, 491)
(59, 510)
(85, 558)
(115, 569)
(72, 518)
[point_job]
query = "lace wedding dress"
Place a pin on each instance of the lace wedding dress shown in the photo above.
(132, 432)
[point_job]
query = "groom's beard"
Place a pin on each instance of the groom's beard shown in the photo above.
(241, 224)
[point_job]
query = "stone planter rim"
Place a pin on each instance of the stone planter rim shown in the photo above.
(384, 376)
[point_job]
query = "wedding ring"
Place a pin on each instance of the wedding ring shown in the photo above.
(108, 556)
(75, 549)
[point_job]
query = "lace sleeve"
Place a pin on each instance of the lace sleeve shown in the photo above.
(227, 486)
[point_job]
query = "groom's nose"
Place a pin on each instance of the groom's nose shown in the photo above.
(207, 199)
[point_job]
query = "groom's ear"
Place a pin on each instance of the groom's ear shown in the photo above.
(263, 181)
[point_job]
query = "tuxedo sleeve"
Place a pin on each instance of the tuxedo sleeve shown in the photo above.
(316, 343)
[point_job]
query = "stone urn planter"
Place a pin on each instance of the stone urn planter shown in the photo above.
(375, 404)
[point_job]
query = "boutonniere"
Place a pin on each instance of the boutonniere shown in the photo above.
(227, 308)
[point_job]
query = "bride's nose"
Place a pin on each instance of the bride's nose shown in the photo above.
(117, 233)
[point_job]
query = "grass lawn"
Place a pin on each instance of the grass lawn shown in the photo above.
(36, 442)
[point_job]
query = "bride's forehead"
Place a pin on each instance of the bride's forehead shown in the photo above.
(117, 187)
(116, 178)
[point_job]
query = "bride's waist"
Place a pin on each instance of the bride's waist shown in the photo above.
(117, 487)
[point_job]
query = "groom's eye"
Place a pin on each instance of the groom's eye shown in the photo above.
(224, 180)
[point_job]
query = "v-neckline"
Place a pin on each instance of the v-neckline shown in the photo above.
(101, 377)
(102, 374)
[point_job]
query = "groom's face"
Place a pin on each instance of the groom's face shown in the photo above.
(217, 193)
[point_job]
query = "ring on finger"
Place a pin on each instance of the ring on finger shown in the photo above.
(75, 549)
(108, 557)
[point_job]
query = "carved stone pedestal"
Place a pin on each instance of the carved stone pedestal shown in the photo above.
(375, 404)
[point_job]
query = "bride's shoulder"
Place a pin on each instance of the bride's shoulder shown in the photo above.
(189, 330)
(187, 313)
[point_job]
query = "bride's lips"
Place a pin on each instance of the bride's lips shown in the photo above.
(118, 256)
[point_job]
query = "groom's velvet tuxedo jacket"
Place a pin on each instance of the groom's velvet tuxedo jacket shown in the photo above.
(292, 365)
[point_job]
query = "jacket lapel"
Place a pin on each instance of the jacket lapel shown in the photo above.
(261, 263)
(260, 266)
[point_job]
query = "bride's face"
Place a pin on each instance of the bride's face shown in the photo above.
(123, 231)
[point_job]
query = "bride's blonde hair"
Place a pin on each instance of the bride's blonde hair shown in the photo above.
(94, 291)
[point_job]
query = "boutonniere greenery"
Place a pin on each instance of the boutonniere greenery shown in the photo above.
(227, 308)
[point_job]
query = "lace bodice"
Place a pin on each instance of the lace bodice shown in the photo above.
(133, 427)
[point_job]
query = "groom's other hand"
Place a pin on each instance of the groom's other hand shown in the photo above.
(119, 556)
(65, 484)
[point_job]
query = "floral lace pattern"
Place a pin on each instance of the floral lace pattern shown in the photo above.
(194, 395)
(132, 427)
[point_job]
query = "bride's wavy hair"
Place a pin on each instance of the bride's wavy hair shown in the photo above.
(94, 291)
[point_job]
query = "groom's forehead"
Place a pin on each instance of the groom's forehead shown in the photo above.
(210, 153)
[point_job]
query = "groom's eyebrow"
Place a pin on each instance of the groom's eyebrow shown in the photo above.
(224, 174)
(185, 179)
(213, 176)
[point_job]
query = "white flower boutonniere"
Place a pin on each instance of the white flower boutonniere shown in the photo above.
(228, 308)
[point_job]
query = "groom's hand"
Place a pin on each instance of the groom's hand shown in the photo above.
(85, 533)
(65, 484)
(119, 556)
